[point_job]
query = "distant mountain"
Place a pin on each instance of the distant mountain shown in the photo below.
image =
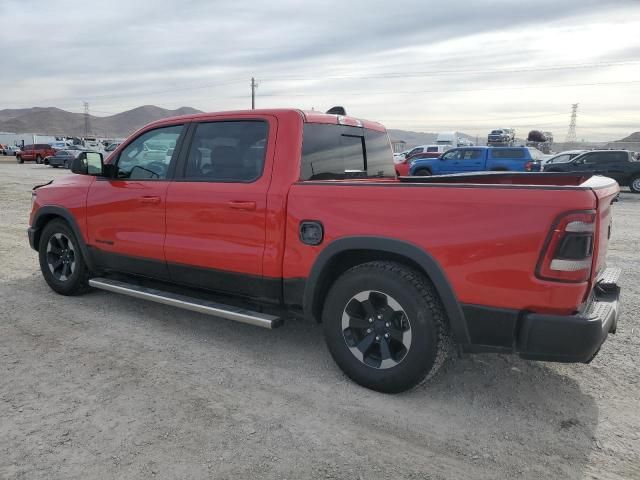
(414, 139)
(54, 121)
(632, 142)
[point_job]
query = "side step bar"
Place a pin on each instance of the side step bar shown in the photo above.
(188, 303)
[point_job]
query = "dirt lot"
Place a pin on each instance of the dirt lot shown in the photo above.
(103, 386)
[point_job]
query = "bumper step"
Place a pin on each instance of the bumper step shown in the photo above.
(228, 312)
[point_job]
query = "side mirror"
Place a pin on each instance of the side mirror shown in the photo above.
(88, 163)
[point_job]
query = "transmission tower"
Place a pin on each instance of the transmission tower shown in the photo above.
(571, 134)
(87, 120)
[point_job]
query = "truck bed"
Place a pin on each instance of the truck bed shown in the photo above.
(546, 179)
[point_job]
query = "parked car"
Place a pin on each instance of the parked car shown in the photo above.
(565, 156)
(59, 145)
(424, 151)
(76, 150)
(37, 152)
(11, 150)
(477, 159)
(500, 137)
(621, 165)
(111, 147)
(62, 158)
(495, 262)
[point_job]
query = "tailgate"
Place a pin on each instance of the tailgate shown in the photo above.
(606, 193)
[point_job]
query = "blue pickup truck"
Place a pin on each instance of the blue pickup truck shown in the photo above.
(478, 159)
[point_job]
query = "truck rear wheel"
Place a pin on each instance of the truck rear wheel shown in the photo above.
(61, 261)
(422, 172)
(385, 326)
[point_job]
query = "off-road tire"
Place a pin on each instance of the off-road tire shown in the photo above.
(430, 339)
(77, 282)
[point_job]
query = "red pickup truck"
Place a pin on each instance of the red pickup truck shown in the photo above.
(300, 213)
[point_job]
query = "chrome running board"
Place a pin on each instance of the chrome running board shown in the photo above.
(188, 303)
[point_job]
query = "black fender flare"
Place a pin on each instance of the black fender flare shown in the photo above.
(39, 221)
(398, 247)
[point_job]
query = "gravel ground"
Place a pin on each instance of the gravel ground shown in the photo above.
(104, 386)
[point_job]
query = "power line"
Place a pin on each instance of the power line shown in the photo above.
(448, 72)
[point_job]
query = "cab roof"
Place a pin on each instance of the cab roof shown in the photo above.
(308, 116)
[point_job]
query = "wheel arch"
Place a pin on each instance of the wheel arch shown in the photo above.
(46, 214)
(345, 253)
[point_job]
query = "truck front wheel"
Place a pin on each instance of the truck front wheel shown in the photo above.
(385, 326)
(422, 172)
(61, 261)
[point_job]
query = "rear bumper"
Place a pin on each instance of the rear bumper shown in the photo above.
(574, 338)
(553, 338)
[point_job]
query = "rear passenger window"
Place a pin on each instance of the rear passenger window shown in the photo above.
(333, 152)
(227, 151)
(507, 153)
(432, 149)
(471, 155)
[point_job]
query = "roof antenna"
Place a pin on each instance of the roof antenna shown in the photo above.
(337, 111)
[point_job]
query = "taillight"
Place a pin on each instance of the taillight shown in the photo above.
(528, 166)
(568, 252)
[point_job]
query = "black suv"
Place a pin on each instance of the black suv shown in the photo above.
(621, 165)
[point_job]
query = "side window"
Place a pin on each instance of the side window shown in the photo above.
(590, 159)
(148, 156)
(231, 151)
(452, 155)
(620, 157)
(471, 154)
(510, 153)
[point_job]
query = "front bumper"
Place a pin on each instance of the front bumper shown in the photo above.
(573, 338)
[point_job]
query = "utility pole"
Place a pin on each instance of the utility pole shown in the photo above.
(87, 120)
(254, 85)
(571, 134)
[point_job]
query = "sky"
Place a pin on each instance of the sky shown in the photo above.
(416, 65)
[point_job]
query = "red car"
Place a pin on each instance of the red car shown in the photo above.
(37, 153)
(292, 212)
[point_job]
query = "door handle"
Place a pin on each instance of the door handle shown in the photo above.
(150, 200)
(240, 205)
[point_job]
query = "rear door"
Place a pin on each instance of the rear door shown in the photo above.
(615, 165)
(217, 206)
(471, 160)
(126, 213)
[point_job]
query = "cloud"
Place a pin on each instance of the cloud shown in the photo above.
(121, 54)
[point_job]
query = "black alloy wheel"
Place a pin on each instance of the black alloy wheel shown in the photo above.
(376, 329)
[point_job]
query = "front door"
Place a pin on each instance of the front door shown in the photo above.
(461, 160)
(216, 213)
(126, 213)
